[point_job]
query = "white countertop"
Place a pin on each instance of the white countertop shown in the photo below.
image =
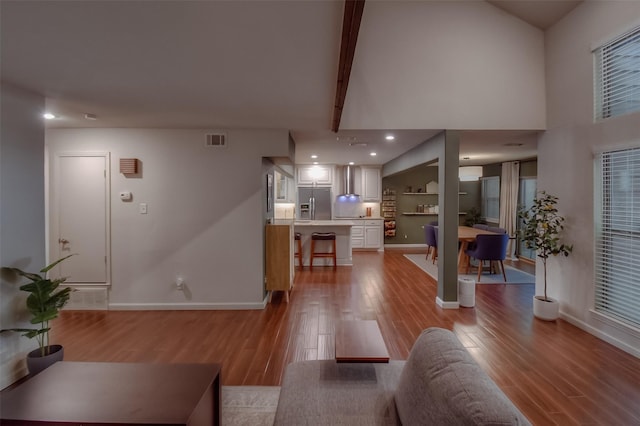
(323, 223)
(360, 218)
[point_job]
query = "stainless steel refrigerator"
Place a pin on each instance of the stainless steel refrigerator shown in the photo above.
(314, 203)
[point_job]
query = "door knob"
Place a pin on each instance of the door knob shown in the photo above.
(63, 241)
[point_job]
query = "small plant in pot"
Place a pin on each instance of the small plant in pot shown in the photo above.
(541, 228)
(44, 303)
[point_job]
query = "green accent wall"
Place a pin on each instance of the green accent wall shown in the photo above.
(410, 229)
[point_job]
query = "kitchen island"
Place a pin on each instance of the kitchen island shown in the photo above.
(342, 228)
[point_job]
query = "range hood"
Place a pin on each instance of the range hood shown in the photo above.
(348, 176)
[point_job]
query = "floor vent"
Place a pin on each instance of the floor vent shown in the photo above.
(88, 299)
(216, 140)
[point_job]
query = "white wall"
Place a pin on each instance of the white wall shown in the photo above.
(566, 155)
(445, 65)
(22, 234)
(205, 221)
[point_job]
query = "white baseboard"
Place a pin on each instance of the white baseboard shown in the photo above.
(600, 334)
(186, 306)
(447, 305)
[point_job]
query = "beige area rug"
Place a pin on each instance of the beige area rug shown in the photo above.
(514, 276)
(249, 405)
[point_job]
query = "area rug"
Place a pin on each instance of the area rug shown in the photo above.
(249, 405)
(514, 276)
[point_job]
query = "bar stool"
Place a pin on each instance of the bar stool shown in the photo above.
(298, 253)
(323, 236)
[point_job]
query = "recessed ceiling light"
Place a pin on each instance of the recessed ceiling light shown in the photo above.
(351, 163)
(389, 137)
(314, 156)
(373, 154)
(315, 162)
(48, 116)
(88, 116)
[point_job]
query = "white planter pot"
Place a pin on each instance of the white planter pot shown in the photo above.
(547, 310)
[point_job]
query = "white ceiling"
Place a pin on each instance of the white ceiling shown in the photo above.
(213, 64)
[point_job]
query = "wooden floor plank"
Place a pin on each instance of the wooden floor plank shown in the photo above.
(554, 372)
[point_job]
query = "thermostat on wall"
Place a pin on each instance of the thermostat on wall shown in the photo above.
(125, 196)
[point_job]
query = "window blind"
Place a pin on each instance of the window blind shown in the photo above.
(617, 76)
(617, 264)
(490, 194)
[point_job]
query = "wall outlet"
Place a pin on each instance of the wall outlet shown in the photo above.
(180, 283)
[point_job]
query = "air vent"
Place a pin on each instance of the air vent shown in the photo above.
(216, 140)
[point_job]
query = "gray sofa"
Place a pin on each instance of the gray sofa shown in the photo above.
(440, 384)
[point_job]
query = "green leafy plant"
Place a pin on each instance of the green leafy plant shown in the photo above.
(541, 228)
(44, 302)
(473, 216)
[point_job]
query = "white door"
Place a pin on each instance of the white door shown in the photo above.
(81, 204)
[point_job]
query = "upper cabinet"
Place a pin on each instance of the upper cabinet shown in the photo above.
(371, 184)
(316, 174)
(284, 190)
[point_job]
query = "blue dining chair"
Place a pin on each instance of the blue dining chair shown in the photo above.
(431, 238)
(492, 248)
(496, 230)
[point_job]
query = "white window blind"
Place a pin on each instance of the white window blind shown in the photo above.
(617, 263)
(490, 194)
(617, 76)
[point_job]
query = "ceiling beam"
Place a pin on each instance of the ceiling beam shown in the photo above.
(350, 27)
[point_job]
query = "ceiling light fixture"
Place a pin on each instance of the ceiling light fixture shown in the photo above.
(48, 116)
(351, 163)
(88, 116)
(373, 154)
(314, 156)
(389, 137)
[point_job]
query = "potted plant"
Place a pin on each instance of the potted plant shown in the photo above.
(540, 231)
(473, 216)
(44, 303)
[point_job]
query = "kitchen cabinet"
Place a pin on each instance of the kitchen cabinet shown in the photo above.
(373, 234)
(357, 234)
(279, 258)
(371, 183)
(366, 234)
(284, 190)
(315, 175)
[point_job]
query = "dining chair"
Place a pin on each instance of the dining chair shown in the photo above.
(492, 248)
(496, 230)
(431, 238)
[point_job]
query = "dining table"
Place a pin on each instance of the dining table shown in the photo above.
(466, 235)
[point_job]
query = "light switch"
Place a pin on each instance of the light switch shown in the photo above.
(142, 208)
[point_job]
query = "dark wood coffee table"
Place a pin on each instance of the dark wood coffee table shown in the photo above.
(116, 393)
(360, 341)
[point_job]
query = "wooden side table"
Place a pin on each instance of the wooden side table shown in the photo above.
(116, 393)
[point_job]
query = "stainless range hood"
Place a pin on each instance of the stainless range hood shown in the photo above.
(348, 173)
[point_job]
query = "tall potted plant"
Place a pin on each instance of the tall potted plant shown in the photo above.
(542, 225)
(44, 303)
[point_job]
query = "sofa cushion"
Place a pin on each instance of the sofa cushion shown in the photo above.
(441, 384)
(330, 393)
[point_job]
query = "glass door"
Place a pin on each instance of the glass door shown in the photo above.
(527, 193)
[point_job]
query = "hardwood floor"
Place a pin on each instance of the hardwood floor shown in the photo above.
(554, 372)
